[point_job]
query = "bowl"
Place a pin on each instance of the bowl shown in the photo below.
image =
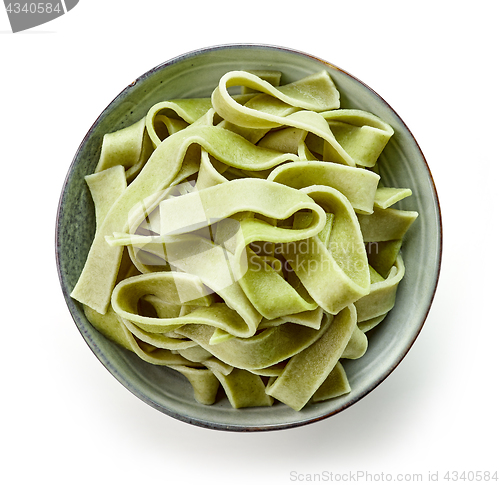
(195, 74)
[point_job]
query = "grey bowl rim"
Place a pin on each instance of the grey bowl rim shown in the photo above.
(116, 373)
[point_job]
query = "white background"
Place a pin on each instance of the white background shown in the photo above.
(65, 419)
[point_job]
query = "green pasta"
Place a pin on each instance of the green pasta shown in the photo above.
(245, 240)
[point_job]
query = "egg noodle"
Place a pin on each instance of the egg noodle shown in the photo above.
(245, 240)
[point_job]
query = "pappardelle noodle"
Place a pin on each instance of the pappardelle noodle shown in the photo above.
(245, 240)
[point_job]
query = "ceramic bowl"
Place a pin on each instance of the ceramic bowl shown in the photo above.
(195, 74)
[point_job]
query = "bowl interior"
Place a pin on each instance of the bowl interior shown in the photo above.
(402, 165)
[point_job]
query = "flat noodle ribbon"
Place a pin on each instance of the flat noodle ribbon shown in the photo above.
(189, 110)
(358, 185)
(382, 296)
(361, 134)
(282, 107)
(314, 93)
(334, 273)
(266, 349)
(306, 371)
(129, 148)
